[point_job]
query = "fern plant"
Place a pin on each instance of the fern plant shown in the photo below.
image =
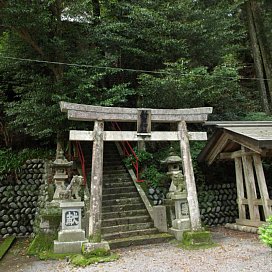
(266, 232)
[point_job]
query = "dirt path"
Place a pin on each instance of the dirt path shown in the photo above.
(237, 251)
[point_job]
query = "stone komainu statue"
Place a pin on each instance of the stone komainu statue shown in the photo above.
(179, 182)
(177, 185)
(72, 189)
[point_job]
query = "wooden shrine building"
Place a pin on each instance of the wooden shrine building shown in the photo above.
(143, 118)
(246, 143)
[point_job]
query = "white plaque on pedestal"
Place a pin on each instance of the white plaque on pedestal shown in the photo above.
(71, 215)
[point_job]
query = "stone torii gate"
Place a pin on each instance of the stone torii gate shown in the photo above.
(143, 117)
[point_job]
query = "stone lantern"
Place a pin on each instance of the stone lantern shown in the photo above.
(61, 165)
(173, 162)
(178, 196)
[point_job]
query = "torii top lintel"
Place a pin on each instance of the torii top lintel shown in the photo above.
(81, 112)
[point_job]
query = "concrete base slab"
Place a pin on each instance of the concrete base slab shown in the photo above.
(241, 228)
(68, 247)
(71, 235)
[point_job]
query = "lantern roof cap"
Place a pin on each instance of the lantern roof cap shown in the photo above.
(172, 158)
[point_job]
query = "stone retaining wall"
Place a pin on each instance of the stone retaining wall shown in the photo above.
(19, 200)
(217, 202)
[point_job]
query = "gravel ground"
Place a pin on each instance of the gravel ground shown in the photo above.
(237, 251)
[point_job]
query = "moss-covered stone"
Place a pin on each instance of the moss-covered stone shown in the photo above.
(41, 243)
(96, 238)
(197, 240)
(50, 218)
(5, 245)
(80, 260)
(51, 211)
(99, 252)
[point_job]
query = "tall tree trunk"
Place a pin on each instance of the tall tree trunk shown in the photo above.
(260, 54)
(263, 43)
(96, 8)
(96, 11)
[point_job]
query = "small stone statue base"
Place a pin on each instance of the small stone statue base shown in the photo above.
(68, 247)
(71, 237)
(179, 226)
(182, 221)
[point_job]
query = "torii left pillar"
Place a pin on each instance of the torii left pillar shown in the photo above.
(96, 183)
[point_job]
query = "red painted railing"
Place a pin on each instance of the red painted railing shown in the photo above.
(82, 161)
(127, 151)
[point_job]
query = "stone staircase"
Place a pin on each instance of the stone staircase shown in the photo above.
(125, 220)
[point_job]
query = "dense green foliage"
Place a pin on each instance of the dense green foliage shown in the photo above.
(149, 165)
(266, 232)
(159, 54)
(141, 156)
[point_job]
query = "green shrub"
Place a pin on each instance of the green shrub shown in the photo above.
(266, 232)
(143, 156)
(153, 176)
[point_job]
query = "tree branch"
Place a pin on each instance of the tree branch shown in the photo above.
(24, 34)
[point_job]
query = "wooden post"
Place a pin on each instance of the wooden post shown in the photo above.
(262, 185)
(240, 188)
(189, 177)
(96, 183)
(250, 188)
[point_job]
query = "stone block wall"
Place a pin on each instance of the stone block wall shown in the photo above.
(19, 199)
(217, 202)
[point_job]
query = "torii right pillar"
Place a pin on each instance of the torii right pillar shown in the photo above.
(188, 172)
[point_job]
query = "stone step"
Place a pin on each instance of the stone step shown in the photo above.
(119, 208)
(114, 179)
(116, 190)
(120, 214)
(121, 201)
(120, 196)
(107, 166)
(111, 176)
(112, 162)
(140, 240)
(107, 160)
(114, 167)
(114, 172)
(126, 227)
(116, 184)
(126, 220)
(131, 233)
(111, 154)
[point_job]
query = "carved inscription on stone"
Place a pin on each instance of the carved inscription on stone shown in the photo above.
(71, 218)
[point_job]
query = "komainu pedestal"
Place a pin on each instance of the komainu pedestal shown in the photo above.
(181, 222)
(71, 237)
